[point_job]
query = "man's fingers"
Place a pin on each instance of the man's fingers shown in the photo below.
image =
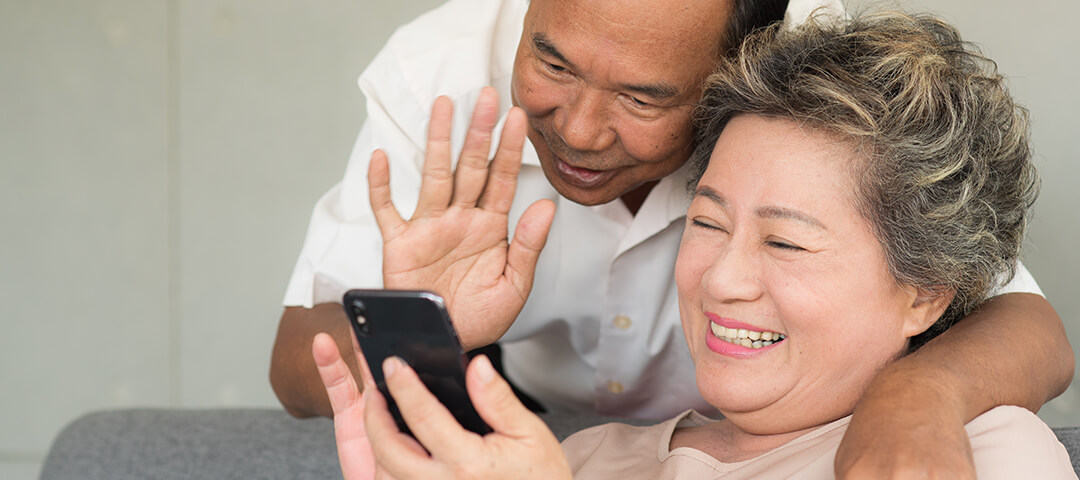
(529, 239)
(432, 424)
(496, 403)
(386, 215)
(472, 166)
(437, 182)
(502, 181)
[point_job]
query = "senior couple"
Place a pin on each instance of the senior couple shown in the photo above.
(857, 188)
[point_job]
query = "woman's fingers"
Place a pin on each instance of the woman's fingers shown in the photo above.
(396, 453)
(502, 181)
(336, 376)
(472, 166)
(361, 361)
(432, 424)
(386, 215)
(496, 403)
(437, 181)
(354, 449)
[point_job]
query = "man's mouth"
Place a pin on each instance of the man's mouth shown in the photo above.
(744, 337)
(581, 177)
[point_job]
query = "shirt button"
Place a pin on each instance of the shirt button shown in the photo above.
(614, 387)
(623, 322)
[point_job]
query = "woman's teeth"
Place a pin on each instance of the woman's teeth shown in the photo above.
(746, 338)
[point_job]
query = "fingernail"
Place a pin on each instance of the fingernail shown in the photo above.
(484, 369)
(390, 365)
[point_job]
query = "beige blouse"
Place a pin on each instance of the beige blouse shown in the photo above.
(1008, 443)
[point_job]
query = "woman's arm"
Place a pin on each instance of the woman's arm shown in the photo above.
(1011, 351)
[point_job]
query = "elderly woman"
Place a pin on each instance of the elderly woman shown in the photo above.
(862, 185)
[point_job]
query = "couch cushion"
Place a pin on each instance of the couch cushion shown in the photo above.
(242, 443)
(185, 444)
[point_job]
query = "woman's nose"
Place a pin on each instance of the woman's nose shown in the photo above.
(735, 275)
(585, 125)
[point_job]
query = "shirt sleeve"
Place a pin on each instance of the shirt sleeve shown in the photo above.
(1022, 282)
(343, 246)
(447, 51)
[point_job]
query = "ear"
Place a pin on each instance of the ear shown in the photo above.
(926, 308)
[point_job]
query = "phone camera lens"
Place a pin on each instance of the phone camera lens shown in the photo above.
(360, 314)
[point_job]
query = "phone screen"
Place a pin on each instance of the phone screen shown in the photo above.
(414, 326)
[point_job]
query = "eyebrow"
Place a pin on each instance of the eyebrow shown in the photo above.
(658, 91)
(709, 193)
(543, 43)
(777, 213)
(654, 90)
(789, 214)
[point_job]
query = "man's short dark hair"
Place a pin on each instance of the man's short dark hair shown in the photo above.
(747, 16)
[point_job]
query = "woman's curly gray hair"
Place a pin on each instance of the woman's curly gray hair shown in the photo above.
(945, 175)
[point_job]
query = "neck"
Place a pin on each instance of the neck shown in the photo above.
(636, 197)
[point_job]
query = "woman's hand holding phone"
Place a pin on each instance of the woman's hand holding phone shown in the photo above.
(456, 243)
(371, 446)
(354, 448)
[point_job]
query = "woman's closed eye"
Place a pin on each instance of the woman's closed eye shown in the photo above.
(784, 245)
(707, 224)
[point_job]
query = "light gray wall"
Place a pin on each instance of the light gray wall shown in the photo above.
(158, 164)
(159, 160)
(1035, 44)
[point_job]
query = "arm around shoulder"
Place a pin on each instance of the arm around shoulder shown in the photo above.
(1011, 351)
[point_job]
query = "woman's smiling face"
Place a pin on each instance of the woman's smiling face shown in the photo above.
(774, 245)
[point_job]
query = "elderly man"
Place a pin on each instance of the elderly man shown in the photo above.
(608, 87)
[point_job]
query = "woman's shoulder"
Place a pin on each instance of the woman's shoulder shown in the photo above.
(617, 450)
(1012, 442)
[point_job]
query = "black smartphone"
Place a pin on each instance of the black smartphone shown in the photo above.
(414, 326)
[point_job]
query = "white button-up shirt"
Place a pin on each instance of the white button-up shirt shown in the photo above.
(600, 331)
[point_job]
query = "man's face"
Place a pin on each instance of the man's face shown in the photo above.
(609, 86)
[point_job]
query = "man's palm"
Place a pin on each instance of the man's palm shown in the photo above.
(456, 243)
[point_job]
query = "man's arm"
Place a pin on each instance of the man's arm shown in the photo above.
(1011, 351)
(293, 373)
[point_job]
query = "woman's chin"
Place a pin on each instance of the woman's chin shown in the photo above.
(737, 397)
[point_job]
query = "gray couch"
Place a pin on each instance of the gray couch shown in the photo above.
(247, 443)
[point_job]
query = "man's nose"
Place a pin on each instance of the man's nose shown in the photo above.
(735, 274)
(585, 124)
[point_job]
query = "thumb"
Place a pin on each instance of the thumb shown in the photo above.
(496, 403)
(529, 239)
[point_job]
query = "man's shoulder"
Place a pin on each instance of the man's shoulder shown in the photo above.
(452, 50)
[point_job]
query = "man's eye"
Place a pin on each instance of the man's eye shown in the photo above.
(555, 67)
(637, 102)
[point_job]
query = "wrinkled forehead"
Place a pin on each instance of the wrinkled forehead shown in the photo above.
(667, 31)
